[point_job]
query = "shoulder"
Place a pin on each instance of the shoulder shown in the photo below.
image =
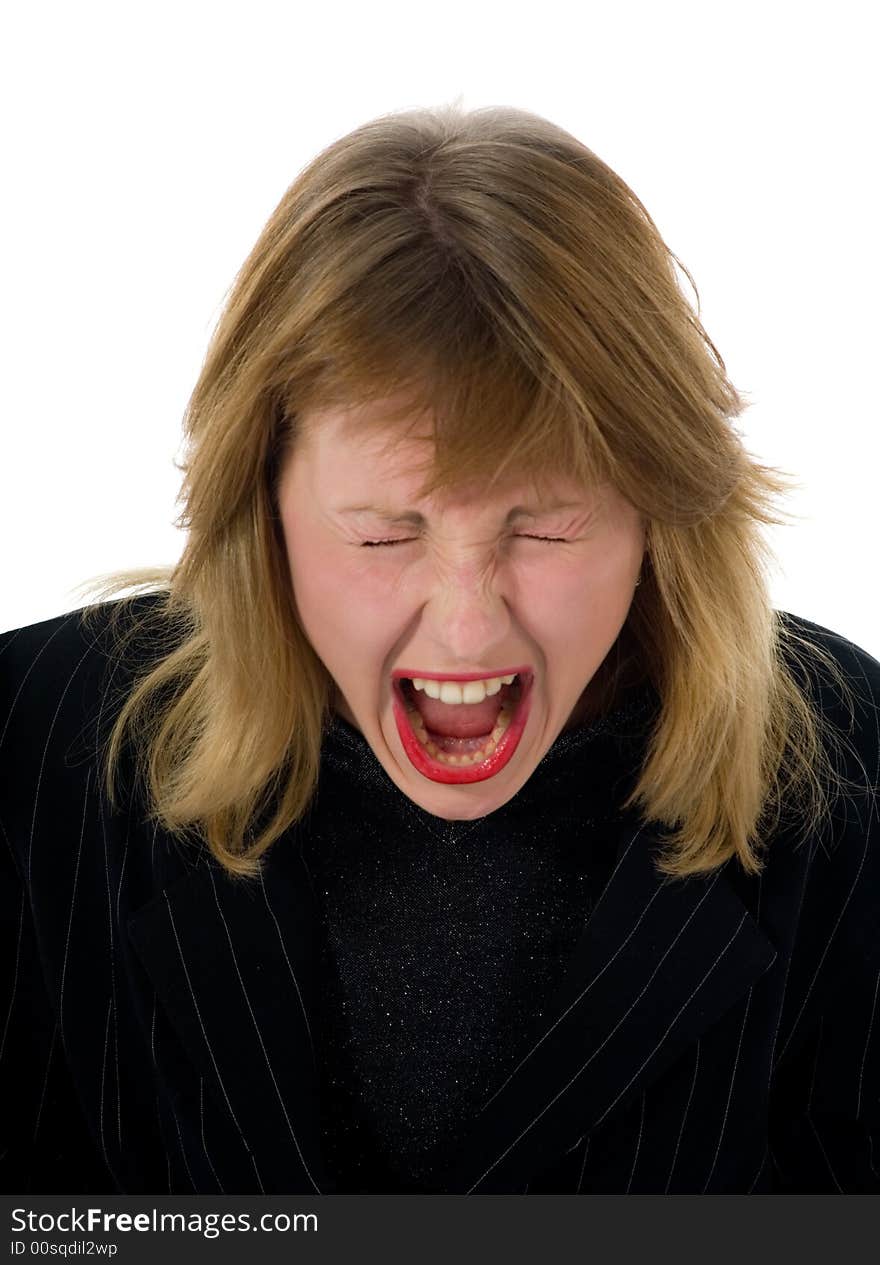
(843, 897)
(852, 658)
(60, 681)
(41, 663)
(77, 630)
(843, 680)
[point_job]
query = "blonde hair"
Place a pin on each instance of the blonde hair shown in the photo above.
(493, 274)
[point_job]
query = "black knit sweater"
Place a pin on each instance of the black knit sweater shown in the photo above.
(442, 941)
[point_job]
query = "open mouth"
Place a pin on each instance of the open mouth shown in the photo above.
(462, 744)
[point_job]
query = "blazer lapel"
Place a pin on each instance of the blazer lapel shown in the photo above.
(232, 964)
(659, 961)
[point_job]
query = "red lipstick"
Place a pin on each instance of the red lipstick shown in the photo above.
(411, 674)
(436, 770)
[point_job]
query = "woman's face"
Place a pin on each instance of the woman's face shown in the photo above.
(463, 592)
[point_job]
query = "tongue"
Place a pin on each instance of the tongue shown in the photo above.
(460, 720)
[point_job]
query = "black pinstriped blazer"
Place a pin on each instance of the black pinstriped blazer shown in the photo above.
(719, 1035)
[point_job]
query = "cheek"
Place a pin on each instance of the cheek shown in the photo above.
(361, 605)
(556, 601)
(311, 578)
(564, 590)
(319, 596)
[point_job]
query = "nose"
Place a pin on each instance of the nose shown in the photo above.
(466, 617)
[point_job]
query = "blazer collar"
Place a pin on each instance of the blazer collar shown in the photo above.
(233, 965)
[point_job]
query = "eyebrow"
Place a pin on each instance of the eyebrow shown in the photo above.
(388, 515)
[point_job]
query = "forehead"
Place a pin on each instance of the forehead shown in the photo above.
(358, 448)
(365, 430)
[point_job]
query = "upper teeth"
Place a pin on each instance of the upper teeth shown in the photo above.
(464, 692)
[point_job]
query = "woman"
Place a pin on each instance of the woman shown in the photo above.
(457, 815)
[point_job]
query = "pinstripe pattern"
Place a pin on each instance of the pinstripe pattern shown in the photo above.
(13, 989)
(656, 1047)
(260, 1036)
(208, 1045)
(582, 994)
(293, 978)
(719, 1035)
(684, 1120)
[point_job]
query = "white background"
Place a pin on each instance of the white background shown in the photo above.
(146, 145)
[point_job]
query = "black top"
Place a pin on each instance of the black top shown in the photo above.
(443, 942)
(718, 1035)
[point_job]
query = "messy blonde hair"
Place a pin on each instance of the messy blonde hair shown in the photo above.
(490, 272)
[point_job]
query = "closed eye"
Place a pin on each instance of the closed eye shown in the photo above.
(552, 540)
(369, 544)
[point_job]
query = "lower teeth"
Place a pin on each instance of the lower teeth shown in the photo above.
(474, 757)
